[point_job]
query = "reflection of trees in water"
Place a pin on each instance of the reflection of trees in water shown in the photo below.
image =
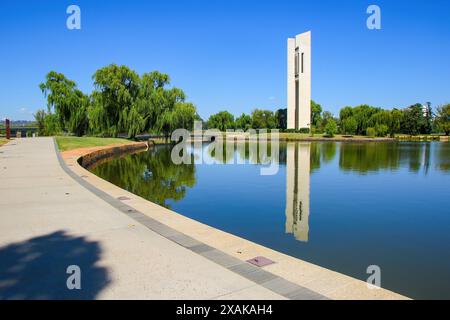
(443, 154)
(227, 154)
(151, 175)
(415, 156)
(370, 157)
(250, 152)
(362, 157)
(322, 152)
(367, 157)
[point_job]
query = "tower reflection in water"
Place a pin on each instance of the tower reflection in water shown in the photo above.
(297, 190)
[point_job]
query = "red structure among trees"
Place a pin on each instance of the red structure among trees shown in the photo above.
(8, 129)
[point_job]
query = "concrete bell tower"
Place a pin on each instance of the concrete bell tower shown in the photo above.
(299, 82)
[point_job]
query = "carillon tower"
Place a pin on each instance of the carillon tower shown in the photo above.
(299, 82)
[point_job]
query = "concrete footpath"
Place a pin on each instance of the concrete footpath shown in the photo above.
(48, 222)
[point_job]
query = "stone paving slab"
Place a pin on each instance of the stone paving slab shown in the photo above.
(42, 233)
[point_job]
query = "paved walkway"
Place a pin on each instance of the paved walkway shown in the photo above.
(48, 221)
(54, 214)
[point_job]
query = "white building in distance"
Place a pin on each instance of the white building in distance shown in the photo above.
(299, 82)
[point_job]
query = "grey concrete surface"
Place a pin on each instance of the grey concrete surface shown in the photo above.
(48, 221)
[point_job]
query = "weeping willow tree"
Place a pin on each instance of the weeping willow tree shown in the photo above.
(115, 94)
(123, 102)
(78, 123)
(158, 109)
(176, 114)
(68, 104)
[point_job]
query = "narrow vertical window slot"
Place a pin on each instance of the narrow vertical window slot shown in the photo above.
(303, 54)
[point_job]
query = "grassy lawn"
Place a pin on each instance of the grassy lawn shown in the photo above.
(71, 143)
(3, 141)
(292, 135)
(285, 135)
(420, 137)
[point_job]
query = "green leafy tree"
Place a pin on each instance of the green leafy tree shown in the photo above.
(281, 118)
(48, 123)
(381, 130)
(221, 121)
(116, 91)
(371, 132)
(349, 125)
(68, 103)
(39, 116)
(331, 128)
(52, 124)
(153, 99)
(263, 119)
(396, 121)
(326, 116)
(244, 122)
(362, 114)
(78, 123)
(185, 115)
(413, 121)
(316, 113)
(173, 107)
(443, 118)
(345, 113)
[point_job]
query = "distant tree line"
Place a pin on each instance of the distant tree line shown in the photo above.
(122, 103)
(359, 120)
(125, 103)
(413, 120)
(258, 119)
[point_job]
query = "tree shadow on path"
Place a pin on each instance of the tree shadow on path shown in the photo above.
(36, 268)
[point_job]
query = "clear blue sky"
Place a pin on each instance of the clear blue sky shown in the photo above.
(231, 54)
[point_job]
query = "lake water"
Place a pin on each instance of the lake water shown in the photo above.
(343, 206)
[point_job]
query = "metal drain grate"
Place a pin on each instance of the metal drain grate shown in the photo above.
(260, 261)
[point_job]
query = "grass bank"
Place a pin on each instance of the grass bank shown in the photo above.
(428, 137)
(321, 137)
(71, 143)
(3, 141)
(289, 136)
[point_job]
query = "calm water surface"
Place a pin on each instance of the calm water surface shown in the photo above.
(343, 206)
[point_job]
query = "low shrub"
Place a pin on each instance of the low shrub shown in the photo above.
(371, 132)
(382, 130)
(331, 128)
(303, 130)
